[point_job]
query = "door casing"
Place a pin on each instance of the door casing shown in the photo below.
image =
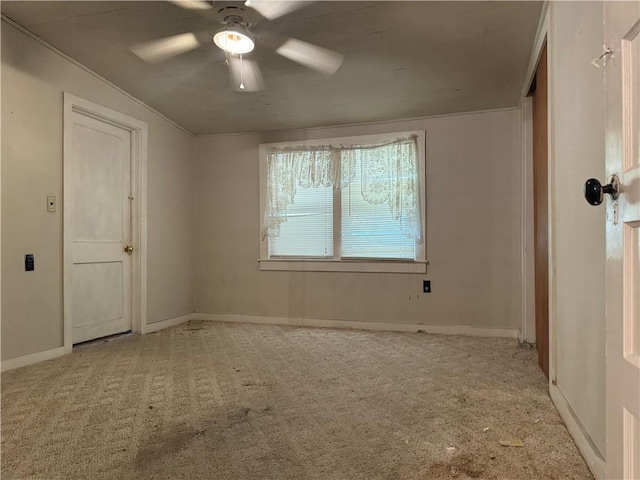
(139, 135)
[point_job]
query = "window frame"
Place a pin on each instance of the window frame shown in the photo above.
(337, 264)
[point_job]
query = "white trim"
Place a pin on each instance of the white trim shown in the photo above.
(528, 327)
(170, 322)
(304, 132)
(551, 193)
(139, 147)
(337, 264)
(376, 266)
(139, 229)
(0, 226)
(544, 36)
(42, 42)
(376, 326)
(32, 358)
(582, 440)
(527, 241)
(45, 355)
(541, 36)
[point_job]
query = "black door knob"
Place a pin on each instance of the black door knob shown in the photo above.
(594, 191)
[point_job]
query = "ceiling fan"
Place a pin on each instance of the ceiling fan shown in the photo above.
(237, 38)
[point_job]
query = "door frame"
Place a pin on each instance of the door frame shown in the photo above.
(527, 242)
(528, 319)
(139, 135)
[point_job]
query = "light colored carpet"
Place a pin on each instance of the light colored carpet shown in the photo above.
(230, 401)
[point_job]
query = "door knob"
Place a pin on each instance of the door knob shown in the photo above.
(128, 249)
(594, 191)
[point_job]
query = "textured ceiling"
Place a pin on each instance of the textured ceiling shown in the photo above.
(401, 60)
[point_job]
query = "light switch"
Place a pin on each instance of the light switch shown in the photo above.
(51, 203)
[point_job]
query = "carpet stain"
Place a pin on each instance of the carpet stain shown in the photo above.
(462, 466)
(238, 415)
(175, 438)
(159, 446)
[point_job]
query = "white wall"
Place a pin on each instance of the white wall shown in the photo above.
(473, 233)
(33, 81)
(576, 117)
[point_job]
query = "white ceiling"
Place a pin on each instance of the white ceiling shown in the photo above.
(401, 60)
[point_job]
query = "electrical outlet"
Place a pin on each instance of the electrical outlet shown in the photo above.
(426, 286)
(29, 263)
(51, 203)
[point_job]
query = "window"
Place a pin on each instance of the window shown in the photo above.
(344, 204)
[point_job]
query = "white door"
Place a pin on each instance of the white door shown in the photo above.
(622, 84)
(100, 204)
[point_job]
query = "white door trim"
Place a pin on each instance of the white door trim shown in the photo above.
(527, 247)
(544, 36)
(528, 319)
(139, 135)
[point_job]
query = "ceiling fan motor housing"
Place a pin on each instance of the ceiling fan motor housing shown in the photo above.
(236, 14)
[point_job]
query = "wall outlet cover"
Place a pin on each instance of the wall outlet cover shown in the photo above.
(29, 263)
(51, 203)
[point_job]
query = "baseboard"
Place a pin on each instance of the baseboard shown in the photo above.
(595, 462)
(171, 322)
(32, 358)
(390, 327)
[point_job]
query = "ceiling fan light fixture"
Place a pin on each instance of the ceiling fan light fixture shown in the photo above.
(234, 39)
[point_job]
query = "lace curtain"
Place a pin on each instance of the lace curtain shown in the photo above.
(389, 176)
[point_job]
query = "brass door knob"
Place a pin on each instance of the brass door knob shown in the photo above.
(128, 249)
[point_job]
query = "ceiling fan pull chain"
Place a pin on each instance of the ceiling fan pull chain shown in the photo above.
(241, 75)
(226, 51)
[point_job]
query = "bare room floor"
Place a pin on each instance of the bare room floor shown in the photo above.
(231, 401)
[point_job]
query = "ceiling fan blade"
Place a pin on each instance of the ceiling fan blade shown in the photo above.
(272, 9)
(165, 48)
(245, 73)
(192, 4)
(317, 58)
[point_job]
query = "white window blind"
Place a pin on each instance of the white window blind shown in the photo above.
(368, 230)
(308, 231)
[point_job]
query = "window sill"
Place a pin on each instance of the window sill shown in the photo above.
(362, 266)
